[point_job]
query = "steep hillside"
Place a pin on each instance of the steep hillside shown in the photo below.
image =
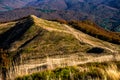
(33, 44)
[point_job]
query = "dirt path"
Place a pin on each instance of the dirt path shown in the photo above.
(85, 39)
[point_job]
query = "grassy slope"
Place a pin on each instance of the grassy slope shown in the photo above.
(52, 39)
(46, 38)
(96, 71)
(6, 26)
(94, 30)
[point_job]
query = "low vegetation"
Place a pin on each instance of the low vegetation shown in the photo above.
(96, 71)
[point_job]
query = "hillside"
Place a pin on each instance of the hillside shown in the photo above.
(33, 44)
(95, 31)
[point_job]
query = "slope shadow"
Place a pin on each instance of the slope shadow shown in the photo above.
(96, 50)
(15, 33)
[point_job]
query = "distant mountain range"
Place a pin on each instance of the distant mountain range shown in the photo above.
(6, 5)
(102, 12)
(77, 4)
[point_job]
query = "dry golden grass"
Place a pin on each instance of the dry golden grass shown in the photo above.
(6, 26)
(112, 72)
(94, 71)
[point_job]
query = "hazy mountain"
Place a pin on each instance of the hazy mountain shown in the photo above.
(12, 4)
(49, 4)
(104, 13)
